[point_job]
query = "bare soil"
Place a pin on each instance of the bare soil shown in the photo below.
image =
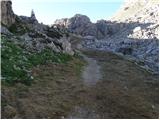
(91, 73)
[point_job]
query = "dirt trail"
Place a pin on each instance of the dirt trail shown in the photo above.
(91, 73)
(90, 76)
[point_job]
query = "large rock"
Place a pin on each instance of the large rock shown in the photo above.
(136, 29)
(5, 31)
(32, 19)
(62, 22)
(125, 50)
(81, 24)
(78, 24)
(7, 14)
(10, 112)
(66, 45)
(37, 42)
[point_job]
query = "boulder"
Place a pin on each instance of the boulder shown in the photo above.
(9, 111)
(89, 37)
(102, 29)
(66, 46)
(5, 31)
(62, 22)
(136, 29)
(125, 50)
(26, 37)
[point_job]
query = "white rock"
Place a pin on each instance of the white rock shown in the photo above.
(136, 29)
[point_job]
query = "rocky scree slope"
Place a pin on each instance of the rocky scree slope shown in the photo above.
(138, 38)
(132, 7)
(132, 32)
(33, 35)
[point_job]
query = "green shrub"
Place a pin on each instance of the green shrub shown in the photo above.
(17, 62)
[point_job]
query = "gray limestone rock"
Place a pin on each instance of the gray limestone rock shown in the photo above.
(7, 14)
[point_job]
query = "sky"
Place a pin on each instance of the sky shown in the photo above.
(47, 11)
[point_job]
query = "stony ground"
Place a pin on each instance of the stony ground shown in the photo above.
(120, 90)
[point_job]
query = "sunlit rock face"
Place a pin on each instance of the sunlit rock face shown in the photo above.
(81, 24)
(7, 14)
(133, 31)
(131, 8)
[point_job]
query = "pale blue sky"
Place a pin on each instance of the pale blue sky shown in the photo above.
(47, 11)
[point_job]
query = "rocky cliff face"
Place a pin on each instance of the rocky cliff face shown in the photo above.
(81, 24)
(132, 7)
(7, 14)
(78, 24)
(136, 35)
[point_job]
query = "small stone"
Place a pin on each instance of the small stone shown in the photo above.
(62, 117)
(136, 29)
(153, 106)
(9, 111)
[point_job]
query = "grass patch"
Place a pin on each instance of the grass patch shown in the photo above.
(17, 62)
(56, 89)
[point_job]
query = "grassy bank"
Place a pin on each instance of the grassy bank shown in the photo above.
(18, 62)
(39, 85)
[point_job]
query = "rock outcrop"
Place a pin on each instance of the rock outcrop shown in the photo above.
(78, 24)
(81, 25)
(33, 16)
(135, 36)
(5, 31)
(7, 14)
(28, 32)
(132, 7)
